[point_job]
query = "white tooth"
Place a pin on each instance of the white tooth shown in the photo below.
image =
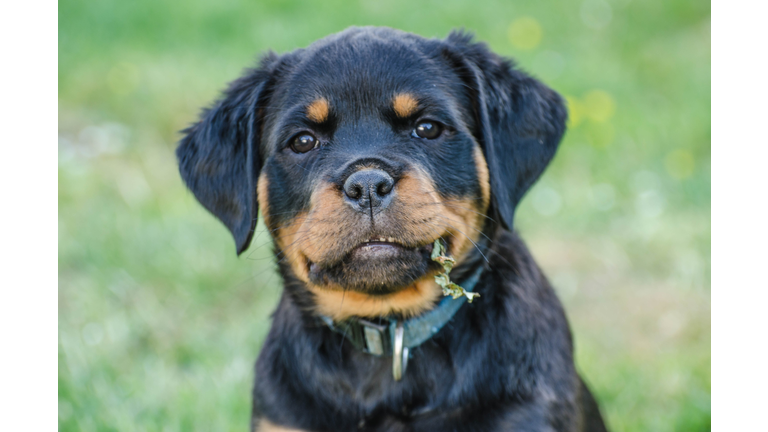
(382, 239)
(390, 239)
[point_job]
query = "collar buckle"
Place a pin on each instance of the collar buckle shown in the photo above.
(375, 338)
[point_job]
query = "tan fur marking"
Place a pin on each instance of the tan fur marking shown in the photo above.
(289, 241)
(318, 110)
(404, 105)
(324, 230)
(262, 186)
(411, 301)
(484, 178)
(267, 426)
(312, 236)
(455, 219)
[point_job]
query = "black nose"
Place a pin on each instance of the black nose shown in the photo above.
(369, 188)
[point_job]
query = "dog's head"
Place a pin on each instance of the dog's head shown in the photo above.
(365, 148)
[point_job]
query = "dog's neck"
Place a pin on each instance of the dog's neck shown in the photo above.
(395, 336)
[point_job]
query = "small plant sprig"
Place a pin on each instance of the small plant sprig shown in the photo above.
(442, 279)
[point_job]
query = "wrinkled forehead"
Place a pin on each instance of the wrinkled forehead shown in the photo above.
(352, 79)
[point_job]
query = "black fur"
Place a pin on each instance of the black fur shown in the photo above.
(520, 121)
(505, 361)
(219, 157)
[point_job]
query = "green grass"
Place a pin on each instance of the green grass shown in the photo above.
(159, 322)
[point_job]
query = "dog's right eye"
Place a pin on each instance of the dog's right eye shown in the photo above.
(303, 142)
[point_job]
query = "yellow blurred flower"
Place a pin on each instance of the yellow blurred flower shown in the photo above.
(599, 105)
(575, 111)
(525, 33)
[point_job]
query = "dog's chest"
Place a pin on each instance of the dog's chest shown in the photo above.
(428, 382)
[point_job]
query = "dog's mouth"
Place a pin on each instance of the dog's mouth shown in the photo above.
(381, 247)
(377, 265)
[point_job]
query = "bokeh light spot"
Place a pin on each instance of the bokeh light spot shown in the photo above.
(600, 105)
(575, 111)
(525, 33)
(650, 204)
(680, 164)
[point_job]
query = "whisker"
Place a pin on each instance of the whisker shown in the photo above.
(468, 225)
(470, 239)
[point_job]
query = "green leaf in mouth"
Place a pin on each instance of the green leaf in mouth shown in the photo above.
(442, 279)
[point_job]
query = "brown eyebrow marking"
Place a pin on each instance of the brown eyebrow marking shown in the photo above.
(404, 104)
(318, 110)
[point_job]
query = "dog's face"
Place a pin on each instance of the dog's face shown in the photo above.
(369, 159)
(364, 149)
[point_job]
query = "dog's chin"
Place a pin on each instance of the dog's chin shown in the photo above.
(375, 268)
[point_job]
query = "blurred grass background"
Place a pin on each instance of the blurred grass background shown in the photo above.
(159, 322)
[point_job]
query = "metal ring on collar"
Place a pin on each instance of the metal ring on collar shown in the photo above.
(399, 353)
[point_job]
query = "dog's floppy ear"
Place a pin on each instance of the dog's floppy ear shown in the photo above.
(219, 156)
(518, 121)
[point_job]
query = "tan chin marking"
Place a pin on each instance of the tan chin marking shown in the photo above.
(404, 104)
(318, 110)
(265, 425)
(410, 301)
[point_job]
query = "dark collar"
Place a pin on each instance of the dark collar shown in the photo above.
(396, 337)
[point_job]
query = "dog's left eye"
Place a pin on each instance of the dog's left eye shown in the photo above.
(428, 130)
(303, 142)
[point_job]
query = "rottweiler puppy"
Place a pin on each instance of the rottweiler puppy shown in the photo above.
(364, 152)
